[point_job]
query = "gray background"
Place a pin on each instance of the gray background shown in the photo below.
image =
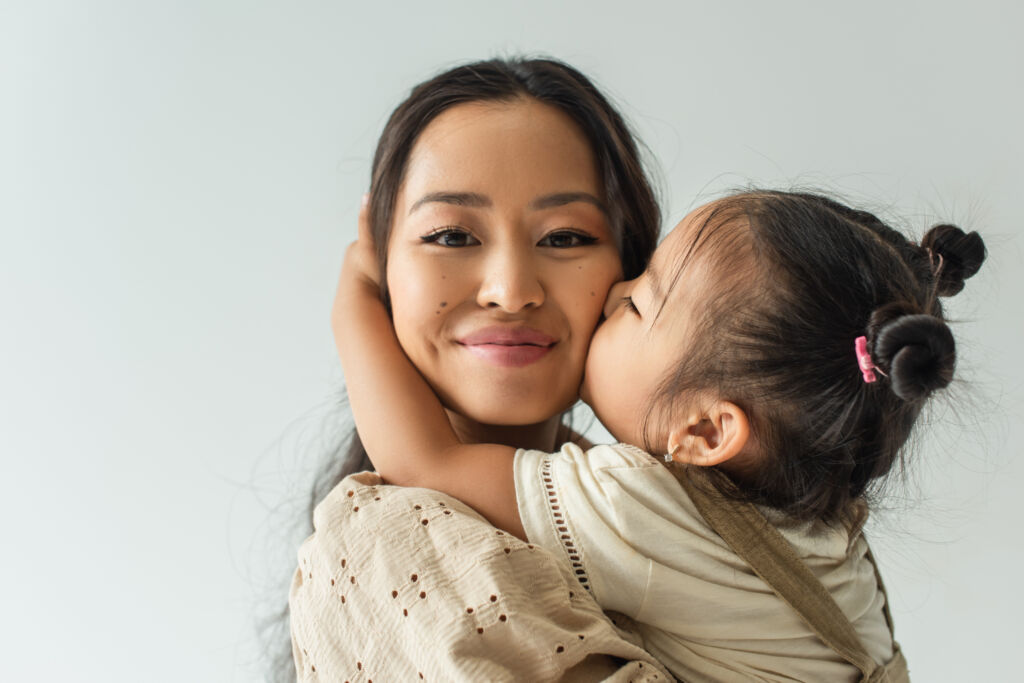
(178, 181)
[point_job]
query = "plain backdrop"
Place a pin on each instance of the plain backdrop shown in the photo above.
(178, 181)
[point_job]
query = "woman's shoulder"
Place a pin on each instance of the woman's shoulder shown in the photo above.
(364, 498)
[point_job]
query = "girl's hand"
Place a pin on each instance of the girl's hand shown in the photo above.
(360, 264)
(360, 276)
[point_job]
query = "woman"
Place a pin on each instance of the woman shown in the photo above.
(504, 194)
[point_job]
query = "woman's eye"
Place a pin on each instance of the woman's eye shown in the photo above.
(565, 239)
(627, 301)
(450, 237)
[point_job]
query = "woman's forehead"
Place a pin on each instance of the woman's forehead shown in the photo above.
(506, 151)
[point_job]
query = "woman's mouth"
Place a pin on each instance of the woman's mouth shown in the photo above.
(508, 346)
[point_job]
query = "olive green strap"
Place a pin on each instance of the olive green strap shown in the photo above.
(760, 544)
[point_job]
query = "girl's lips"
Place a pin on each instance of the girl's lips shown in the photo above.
(508, 346)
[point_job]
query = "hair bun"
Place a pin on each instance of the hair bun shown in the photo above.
(962, 255)
(918, 353)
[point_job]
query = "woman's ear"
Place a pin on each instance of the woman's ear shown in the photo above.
(711, 436)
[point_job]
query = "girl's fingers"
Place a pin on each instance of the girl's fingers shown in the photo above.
(363, 254)
(364, 234)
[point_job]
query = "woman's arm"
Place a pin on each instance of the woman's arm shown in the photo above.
(399, 418)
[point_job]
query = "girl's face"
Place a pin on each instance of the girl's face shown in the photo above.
(500, 259)
(649, 322)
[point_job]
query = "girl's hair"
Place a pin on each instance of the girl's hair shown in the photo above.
(634, 213)
(803, 277)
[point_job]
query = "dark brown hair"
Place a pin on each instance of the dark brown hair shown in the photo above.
(634, 214)
(803, 277)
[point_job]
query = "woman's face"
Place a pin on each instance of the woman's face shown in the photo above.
(500, 258)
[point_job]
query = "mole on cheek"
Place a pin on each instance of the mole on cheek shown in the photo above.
(443, 304)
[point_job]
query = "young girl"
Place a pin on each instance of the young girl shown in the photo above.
(773, 357)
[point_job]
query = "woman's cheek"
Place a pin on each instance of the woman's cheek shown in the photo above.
(418, 302)
(593, 281)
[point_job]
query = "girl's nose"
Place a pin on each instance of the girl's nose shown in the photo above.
(510, 282)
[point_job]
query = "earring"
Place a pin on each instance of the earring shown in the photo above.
(671, 455)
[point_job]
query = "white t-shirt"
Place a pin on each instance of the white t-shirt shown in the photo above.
(635, 539)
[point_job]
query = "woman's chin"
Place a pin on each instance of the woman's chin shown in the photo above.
(513, 409)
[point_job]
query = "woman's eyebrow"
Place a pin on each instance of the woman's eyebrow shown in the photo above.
(471, 199)
(550, 201)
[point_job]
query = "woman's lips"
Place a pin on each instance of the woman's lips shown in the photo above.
(508, 346)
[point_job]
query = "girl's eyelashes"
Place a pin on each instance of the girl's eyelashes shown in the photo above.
(450, 236)
(627, 301)
(566, 239)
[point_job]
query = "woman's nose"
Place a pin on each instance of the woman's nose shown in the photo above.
(615, 296)
(510, 282)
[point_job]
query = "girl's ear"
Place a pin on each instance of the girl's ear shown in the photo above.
(711, 436)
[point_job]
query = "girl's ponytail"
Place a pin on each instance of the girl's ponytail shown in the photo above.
(955, 256)
(915, 350)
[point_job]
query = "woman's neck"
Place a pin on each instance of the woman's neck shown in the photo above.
(543, 436)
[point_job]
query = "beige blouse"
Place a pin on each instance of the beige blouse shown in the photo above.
(405, 584)
(634, 538)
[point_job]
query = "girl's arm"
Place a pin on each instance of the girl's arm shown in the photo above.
(400, 420)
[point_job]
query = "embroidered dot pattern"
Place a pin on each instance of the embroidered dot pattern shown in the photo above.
(478, 611)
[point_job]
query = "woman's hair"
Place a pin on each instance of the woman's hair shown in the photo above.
(634, 214)
(801, 278)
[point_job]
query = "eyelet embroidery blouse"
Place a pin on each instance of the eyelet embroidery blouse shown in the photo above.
(406, 584)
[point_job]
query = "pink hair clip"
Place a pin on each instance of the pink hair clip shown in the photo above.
(864, 359)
